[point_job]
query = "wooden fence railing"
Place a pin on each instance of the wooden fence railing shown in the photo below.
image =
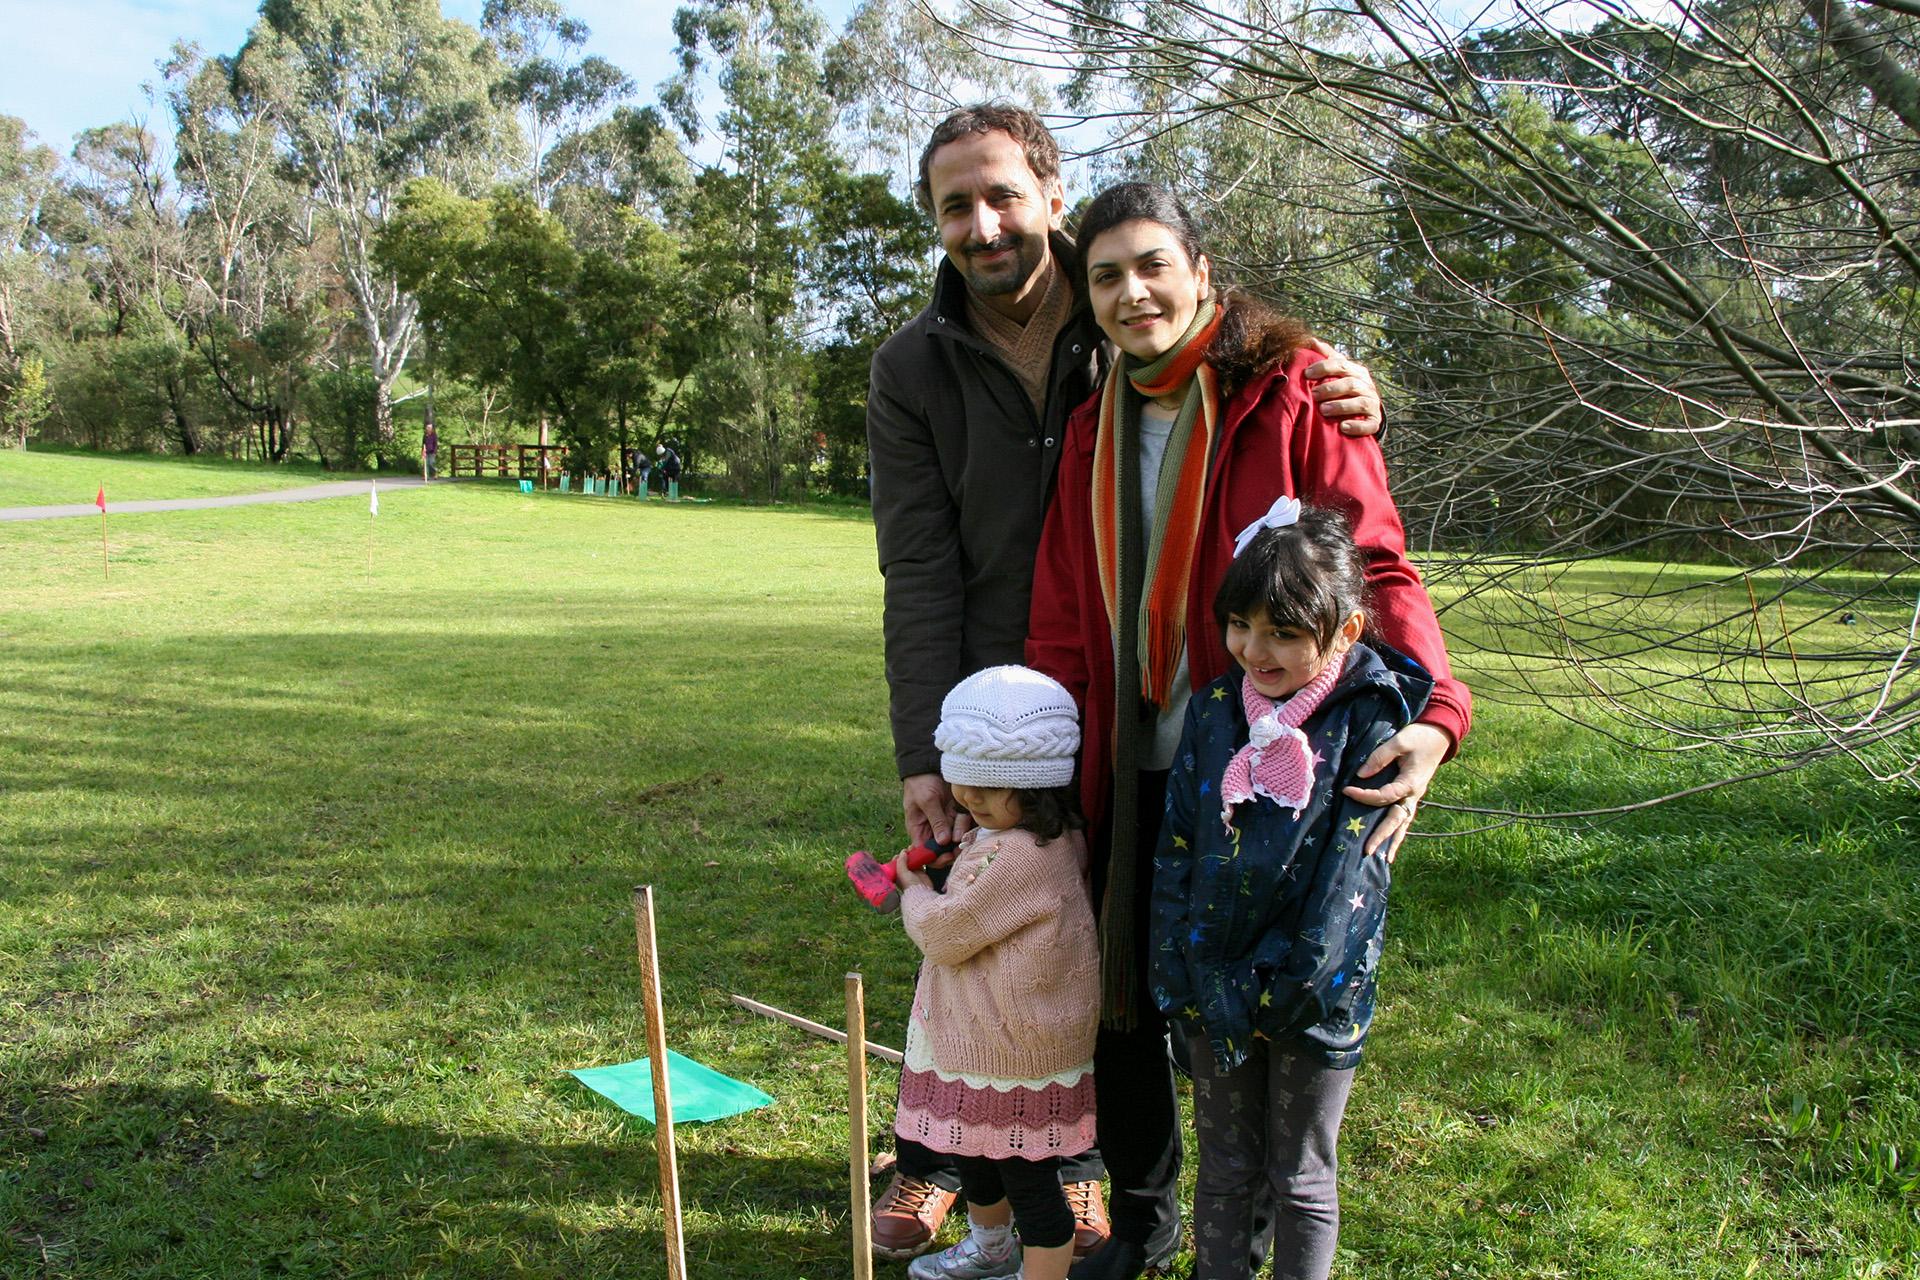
(505, 461)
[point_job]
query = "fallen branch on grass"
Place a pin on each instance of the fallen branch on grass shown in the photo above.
(795, 1020)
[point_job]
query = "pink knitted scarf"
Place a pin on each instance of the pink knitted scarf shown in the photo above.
(1276, 762)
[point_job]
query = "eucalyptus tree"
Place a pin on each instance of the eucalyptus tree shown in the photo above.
(748, 224)
(252, 273)
(555, 91)
(899, 66)
(27, 176)
(116, 223)
(629, 163)
(581, 338)
(368, 95)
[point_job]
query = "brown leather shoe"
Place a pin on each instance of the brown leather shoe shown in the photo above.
(908, 1215)
(1090, 1226)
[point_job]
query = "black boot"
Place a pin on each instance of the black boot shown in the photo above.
(1124, 1260)
(1116, 1260)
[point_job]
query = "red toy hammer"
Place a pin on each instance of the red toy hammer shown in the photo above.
(873, 879)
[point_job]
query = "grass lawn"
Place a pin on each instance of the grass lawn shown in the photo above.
(48, 477)
(313, 885)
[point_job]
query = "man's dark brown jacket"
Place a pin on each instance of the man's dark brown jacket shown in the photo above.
(962, 467)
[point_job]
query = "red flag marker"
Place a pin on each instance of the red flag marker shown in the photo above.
(100, 499)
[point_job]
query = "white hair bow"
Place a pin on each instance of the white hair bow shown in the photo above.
(1283, 512)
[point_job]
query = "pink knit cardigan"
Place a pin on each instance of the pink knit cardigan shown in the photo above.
(1011, 983)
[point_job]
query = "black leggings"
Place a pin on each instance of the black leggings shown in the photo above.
(1032, 1186)
(928, 1165)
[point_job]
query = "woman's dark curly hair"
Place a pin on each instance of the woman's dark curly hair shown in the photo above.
(1253, 337)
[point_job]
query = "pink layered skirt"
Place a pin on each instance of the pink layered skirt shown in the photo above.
(999, 1119)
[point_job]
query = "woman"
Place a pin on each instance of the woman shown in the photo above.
(1204, 420)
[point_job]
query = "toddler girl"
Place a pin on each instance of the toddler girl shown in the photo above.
(999, 1058)
(1267, 914)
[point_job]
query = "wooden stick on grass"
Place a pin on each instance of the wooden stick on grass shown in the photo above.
(795, 1020)
(662, 1095)
(857, 1126)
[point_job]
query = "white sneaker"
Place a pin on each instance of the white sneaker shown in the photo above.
(965, 1261)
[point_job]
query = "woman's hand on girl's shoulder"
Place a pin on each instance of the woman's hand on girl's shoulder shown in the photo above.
(1418, 749)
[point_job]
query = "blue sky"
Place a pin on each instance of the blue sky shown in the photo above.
(68, 65)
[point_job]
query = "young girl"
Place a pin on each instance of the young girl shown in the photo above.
(1267, 913)
(999, 1059)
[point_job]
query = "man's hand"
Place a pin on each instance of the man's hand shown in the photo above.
(932, 818)
(1418, 749)
(1344, 390)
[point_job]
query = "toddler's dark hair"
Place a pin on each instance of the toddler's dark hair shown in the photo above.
(1307, 576)
(1050, 812)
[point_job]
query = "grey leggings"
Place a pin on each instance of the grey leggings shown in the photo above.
(1267, 1132)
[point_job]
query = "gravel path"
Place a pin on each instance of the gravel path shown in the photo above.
(333, 489)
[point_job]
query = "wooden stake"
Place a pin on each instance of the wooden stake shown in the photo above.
(106, 570)
(662, 1095)
(857, 1127)
(795, 1020)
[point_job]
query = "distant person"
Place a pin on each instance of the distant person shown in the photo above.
(669, 470)
(999, 1059)
(1268, 911)
(430, 448)
(642, 469)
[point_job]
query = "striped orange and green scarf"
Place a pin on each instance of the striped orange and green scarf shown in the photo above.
(1145, 577)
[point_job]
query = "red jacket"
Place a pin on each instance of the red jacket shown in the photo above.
(1273, 440)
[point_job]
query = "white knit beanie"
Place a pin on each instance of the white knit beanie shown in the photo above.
(1008, 727)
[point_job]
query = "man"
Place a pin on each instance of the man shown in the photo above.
(669, 467)
(964, 418)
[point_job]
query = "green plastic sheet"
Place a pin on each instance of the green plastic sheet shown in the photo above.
(699, 1093)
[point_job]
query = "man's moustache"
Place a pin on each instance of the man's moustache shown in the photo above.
(992, 246)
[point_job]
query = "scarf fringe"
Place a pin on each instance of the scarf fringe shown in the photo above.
(1119, 976)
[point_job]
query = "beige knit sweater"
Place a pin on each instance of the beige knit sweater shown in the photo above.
(1011, 983)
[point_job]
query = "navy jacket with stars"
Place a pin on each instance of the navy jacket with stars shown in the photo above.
(1274, 928)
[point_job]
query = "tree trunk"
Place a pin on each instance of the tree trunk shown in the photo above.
(666, 414)
(382, 415)
(1897, 89)
(183, 429)
(626, 449)
(770, 436)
